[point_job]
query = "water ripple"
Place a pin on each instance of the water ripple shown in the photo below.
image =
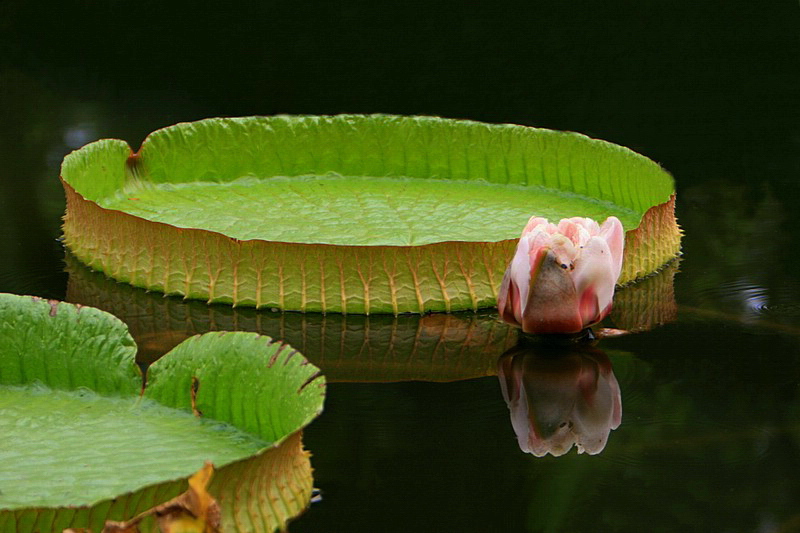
(751, 301)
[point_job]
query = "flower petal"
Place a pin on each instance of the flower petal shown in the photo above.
(568, 228)
(614, 234)
(508, 302)
(589, 224)
(552, 302)
(538, 223)
(594, 280)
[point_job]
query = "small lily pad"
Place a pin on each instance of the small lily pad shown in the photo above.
(82, 443)
(350, 213)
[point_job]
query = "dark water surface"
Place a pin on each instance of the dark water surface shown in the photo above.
(709, 438)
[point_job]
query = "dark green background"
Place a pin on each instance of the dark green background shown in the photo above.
(710, 439)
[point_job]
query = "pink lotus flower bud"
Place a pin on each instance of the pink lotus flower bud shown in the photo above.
(562, 278)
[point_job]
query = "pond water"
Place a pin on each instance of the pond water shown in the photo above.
(419, 436)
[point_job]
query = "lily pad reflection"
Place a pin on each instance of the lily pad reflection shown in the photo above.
(375, 348)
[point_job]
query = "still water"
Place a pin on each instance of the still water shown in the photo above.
(421, 426)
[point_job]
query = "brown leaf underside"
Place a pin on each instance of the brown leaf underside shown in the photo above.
(201, 264)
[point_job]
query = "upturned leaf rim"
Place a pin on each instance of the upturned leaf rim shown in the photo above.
(444, 276)
(76, 347)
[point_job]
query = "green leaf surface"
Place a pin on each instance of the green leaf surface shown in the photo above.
(76, 447)
(65, 347)
(270, 395)
(349, 213)
(80, 446)
(358, 210)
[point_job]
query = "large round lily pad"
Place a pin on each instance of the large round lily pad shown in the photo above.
(350, 213)
(81, 445)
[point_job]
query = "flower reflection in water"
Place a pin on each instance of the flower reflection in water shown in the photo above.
(560, 396)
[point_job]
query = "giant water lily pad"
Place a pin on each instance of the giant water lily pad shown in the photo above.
(350, 213)
(80, 445)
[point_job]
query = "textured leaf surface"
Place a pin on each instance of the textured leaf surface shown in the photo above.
(73, 426)
(422, 212)
(266, 388)
(65, 346)
(77, 447)
(357, 210)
